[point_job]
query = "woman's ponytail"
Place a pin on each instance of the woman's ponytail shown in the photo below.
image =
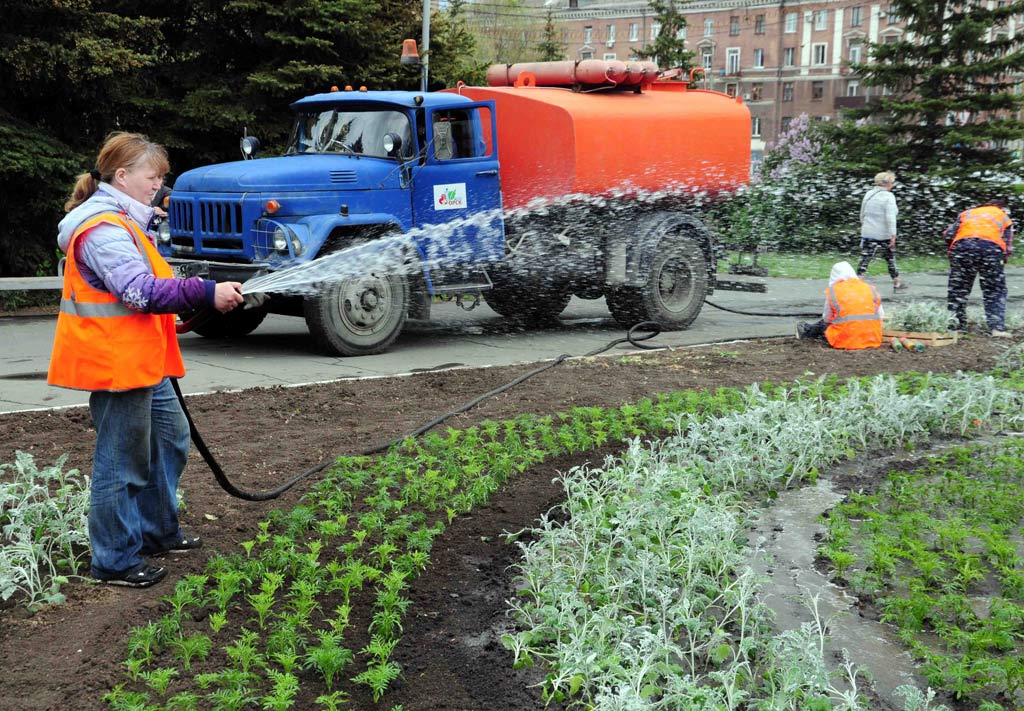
(85, 186)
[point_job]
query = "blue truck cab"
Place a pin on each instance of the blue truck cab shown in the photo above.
(360, 166)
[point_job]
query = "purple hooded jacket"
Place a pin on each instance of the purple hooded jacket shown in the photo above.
(109, 260)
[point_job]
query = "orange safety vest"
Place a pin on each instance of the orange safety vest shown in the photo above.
(100, 343)
(858, 323)
(986, 222)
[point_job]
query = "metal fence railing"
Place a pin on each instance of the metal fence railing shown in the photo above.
(31, 283)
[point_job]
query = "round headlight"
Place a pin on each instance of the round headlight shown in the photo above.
(280, 240)
(163, 232)
(296, 246)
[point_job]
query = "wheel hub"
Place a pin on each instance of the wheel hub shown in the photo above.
(675, 284)
(365, 304)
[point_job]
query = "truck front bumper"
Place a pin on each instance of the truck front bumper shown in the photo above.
(218, 271)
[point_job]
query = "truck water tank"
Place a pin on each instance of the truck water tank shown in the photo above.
(553, 142)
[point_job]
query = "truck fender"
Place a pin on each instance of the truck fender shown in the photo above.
(630, 253)
(320, 227)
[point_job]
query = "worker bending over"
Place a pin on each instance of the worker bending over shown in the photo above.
(852, 317)
(980, 243)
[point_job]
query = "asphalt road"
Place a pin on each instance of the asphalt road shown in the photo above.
(280, 351)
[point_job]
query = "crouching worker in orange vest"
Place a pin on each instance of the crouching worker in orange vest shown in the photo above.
(116, 338)
(852, 317)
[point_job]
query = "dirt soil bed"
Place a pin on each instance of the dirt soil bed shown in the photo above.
(67, 656)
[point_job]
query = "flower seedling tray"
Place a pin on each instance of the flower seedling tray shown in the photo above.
(931, 339)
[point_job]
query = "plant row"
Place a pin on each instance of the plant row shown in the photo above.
(938, 550)
(318, 598)
(637, 595)
(43, 533)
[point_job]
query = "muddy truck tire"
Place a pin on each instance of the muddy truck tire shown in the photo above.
(673, 291)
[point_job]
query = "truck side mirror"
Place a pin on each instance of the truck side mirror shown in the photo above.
(392, 144)
(250, 146)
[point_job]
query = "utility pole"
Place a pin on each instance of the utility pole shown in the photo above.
(426, 44)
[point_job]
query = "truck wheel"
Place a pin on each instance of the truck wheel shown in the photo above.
(523, 302)
(674, 292)
(359, 316)
(234, 324)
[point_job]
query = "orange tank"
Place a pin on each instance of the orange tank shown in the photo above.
(554, 141)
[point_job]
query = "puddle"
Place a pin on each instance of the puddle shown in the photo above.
(784, 555)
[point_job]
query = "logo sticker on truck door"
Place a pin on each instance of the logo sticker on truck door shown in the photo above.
(450, 197)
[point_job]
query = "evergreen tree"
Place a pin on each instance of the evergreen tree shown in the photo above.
(73, 72)
(550, 48)
(949, 106)
(668, 50)
(452, 49)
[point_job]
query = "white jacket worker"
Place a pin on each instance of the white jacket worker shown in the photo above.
(852, 316)
(878, 213)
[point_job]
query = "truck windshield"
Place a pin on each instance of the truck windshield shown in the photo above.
(350, 132)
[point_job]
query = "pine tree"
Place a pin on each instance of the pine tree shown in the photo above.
(669, 50)
(550, 48)
(452, 49)
(948, 106)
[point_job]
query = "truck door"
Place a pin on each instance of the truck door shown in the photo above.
(456, 189)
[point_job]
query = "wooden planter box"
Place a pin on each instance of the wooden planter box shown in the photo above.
(930, 340)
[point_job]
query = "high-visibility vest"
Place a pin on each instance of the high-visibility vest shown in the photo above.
(986, 222)
(100, 343)
(858, 321)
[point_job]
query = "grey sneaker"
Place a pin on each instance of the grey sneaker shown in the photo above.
(901, 286)
(1001, 334)
(800, 330)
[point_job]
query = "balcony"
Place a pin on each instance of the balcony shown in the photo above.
(849, 102)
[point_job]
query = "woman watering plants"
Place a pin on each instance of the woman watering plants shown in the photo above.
(116, 338)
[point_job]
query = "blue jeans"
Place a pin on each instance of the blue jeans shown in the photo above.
(142, 442)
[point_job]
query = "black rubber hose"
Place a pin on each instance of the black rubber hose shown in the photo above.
(762, 313)
(646, 330)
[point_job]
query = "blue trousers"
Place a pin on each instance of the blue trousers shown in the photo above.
(142, 442)
(972, 258)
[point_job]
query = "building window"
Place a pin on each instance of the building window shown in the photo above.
(853, 88)
(784, 125)
(610, 34)
(655, 30)
(608, 56)
(821, 19)
(755, 127)
(707, 57)
(890, 39)
(588, 35)
(681, 33)
(891, 17)
(730, 89)
(789, 57)
(732, 60)
(734, 26)
(817, 90)
(790, 22)
(586, 54)
(787, 91)
(819, 51)
(759, 25)
(856, 16)
(634, 31)
(759, 59)
(856, 52)
(709, 27)
(755, 91)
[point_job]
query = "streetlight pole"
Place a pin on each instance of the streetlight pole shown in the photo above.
(426, 43)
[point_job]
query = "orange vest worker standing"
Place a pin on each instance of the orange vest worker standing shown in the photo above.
(100, 343)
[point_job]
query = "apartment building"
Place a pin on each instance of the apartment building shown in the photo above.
(784, 58)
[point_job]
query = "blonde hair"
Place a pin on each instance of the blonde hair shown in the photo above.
(120, 150)
(885, 178)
